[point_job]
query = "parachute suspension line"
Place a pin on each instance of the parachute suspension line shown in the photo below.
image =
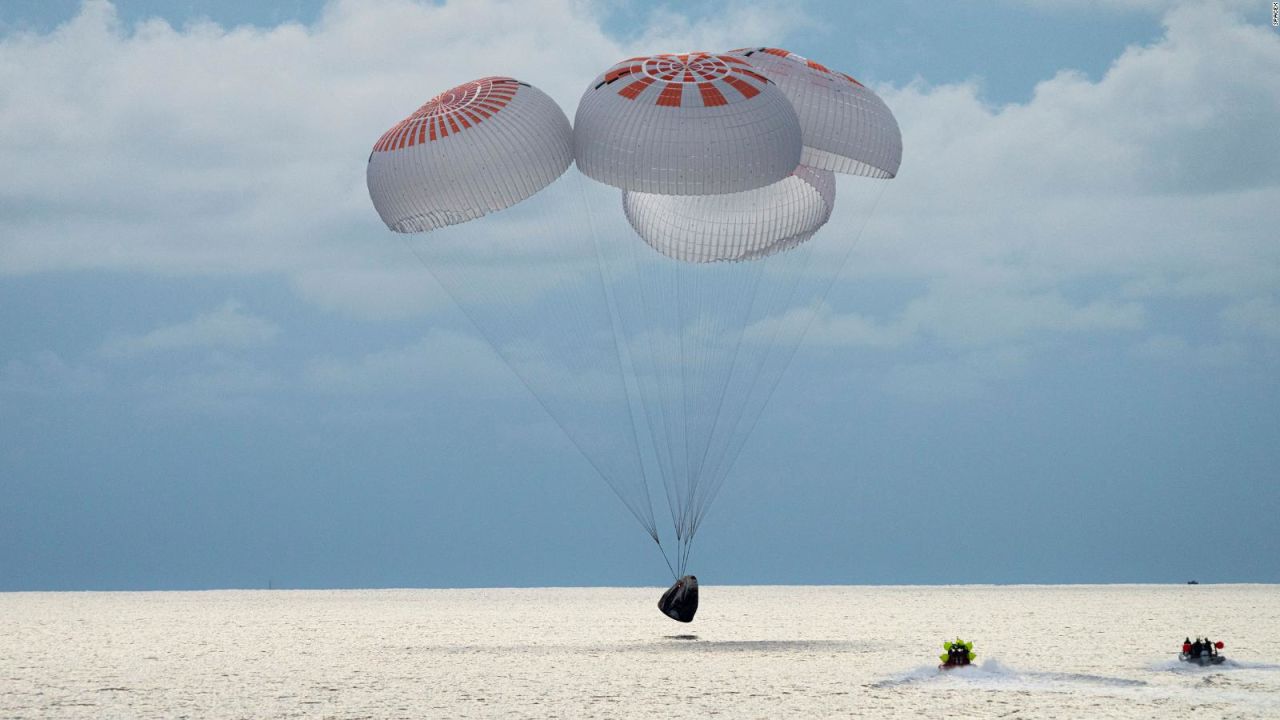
(624, 356)
(684, 298)
(684, 400)
(703, 328)
(768, 307)
(647, 524)
(656, 316)
(686, 551)
(728, 376)
(654, 399)
(668, 331)
(705, 303)
(658, 280)
(509, 277)
(654, 355)
(666, 297)
(697, 333)
(663, 550)
(807, 324)
(718, 387)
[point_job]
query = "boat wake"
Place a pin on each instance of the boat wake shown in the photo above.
(1246, 665)
(994, 674)
(1227, 664)
(988, 669)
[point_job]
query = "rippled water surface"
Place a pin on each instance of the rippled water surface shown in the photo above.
(767, 652)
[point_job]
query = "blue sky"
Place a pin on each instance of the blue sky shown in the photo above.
(1058, 339)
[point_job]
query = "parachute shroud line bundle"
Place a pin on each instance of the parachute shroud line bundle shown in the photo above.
(654, 337)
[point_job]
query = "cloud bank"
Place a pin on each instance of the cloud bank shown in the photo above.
(205, 150)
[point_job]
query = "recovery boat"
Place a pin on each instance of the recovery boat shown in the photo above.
(1202, 653)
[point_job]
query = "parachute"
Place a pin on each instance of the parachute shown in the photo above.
(689, 124)
(652, 301)
(846, 128)
(514, 135)
(736, 226)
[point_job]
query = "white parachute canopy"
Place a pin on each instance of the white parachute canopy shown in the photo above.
(703, 149)
(747, 225)
(685, 124)
(654, 337)
(846, 127)
(524, 270)
(481, 147)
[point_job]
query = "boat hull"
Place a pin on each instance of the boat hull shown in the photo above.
(1203, 660)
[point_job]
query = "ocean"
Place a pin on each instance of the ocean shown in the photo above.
(752, 652)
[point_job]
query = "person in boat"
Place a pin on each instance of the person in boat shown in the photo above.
(1186, 647)
(1208, 647)
(1196, 647)
(958, 654)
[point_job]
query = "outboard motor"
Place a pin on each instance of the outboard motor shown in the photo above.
(680, 601)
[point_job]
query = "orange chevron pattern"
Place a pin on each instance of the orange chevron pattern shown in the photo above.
(717, 79)
(450, 112)
(809, 63)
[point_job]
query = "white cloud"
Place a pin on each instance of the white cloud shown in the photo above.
(45, 373)
(1177, 350)
(1089, 208)
(1247, 8)
(446, 361)
(223, 386)
(372, 294)
(1106, 5)
(226, 327)
(829, 328)
(964, 317)
(982, 316)
(1256, 316)
(440, 360)
(964, 376)
(212, 150)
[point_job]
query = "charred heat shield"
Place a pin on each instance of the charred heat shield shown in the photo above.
(680, 601)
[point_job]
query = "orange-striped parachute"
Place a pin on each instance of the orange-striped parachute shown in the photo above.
(652, 301)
